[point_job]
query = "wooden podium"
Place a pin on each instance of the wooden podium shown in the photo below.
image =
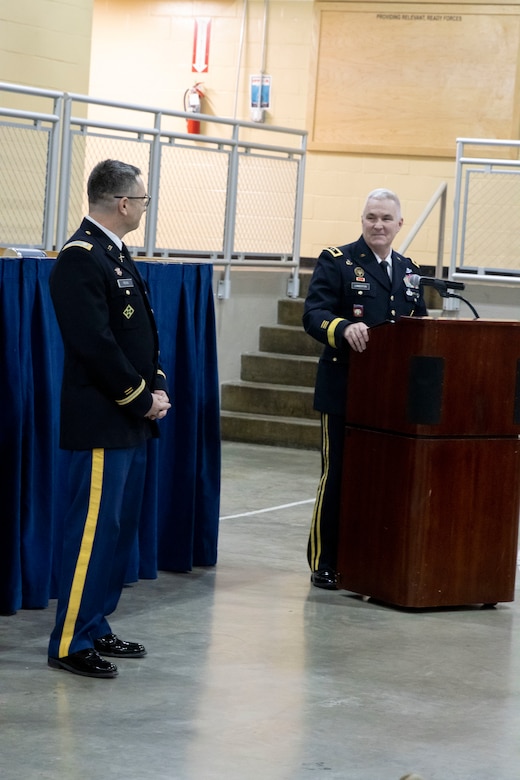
(431, 473)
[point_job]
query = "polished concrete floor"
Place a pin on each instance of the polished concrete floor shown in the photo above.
(251, 673)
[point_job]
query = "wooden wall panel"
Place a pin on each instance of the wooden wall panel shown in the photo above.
(409, 79)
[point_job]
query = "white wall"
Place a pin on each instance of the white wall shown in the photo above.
(253, 302)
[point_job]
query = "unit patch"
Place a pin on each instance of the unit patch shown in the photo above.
(128, 311)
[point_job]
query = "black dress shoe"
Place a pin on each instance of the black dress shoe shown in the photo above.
(112, 646)
(324, 578)
(86, 662)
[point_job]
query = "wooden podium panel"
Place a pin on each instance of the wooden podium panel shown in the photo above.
(427, 522)
(431, 468)
(435, 377)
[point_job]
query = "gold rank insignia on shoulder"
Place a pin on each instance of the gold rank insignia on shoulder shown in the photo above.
(335, 252)
(416, 264)
(80, 244)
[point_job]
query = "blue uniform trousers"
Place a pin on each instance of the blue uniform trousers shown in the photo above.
(106, 489)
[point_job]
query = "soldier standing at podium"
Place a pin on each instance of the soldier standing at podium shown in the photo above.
(353, 288)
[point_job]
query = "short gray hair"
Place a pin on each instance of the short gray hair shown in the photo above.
(383, 194)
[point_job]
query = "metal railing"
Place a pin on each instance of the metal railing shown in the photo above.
(233, 195)
(29, 163)
(439, 196)
(486, 225)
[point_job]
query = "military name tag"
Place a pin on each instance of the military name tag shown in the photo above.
(360, 285)
(125, 282)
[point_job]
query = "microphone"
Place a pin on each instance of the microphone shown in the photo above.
(441, 285)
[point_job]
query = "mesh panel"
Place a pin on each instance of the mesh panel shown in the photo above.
(23, 172)
(265, 205)
(87, 151)
(192, 201)
(492, 229)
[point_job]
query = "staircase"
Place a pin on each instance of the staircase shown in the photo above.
(272, 401)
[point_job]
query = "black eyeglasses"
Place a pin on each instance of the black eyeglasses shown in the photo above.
(145, 198)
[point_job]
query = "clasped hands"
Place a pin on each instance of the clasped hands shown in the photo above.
(160, 405)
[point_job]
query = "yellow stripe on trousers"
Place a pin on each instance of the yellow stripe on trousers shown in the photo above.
(85, 552)
(316, 515)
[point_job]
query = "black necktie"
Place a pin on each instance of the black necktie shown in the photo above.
(386, 265)
(125, 252)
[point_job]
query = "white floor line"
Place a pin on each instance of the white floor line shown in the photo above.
(268, 509)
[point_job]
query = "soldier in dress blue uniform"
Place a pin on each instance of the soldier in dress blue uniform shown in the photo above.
(113, 393)
(353, 287)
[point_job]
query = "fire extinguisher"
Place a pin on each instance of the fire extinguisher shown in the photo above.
(192, 103)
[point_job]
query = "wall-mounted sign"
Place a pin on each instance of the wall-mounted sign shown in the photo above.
(435, 72)
(260, 91)
(200, 57)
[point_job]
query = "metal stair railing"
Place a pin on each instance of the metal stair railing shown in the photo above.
(438, 197)
(231, 198)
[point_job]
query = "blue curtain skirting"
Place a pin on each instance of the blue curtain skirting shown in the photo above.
(179, 523)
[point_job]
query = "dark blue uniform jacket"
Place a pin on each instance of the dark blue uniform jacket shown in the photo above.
(348, 285)
(111, 346)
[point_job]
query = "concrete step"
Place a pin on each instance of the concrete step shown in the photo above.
(290, 311)
(278, 369)
(269, 429)
(305, 278)
(288, 340)
(270, 399)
